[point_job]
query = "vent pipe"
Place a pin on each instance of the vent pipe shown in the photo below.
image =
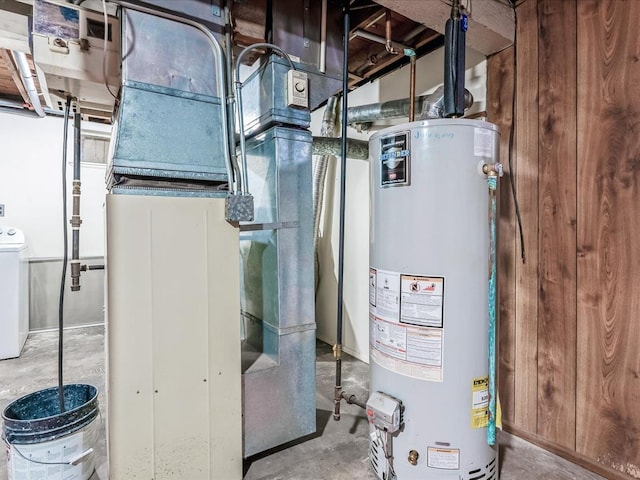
(27, 80)
(454, 62)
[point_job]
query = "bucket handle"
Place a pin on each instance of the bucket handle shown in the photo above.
(73, 461)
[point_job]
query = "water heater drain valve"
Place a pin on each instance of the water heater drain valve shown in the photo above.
(385, 412)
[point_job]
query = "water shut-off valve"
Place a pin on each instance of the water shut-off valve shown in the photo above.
(493, 169)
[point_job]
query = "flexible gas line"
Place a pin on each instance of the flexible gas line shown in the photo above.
(492, 183)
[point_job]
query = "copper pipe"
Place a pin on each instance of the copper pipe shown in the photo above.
(389, 44)
(412, 89)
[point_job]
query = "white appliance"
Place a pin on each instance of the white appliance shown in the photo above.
(14, 292)
(429, 308)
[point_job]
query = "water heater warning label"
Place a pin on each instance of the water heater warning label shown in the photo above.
(422, 300)
(395, 157)
(406, 320)
(482, 142)
(384, 294)
(480, 402)
(443, 458)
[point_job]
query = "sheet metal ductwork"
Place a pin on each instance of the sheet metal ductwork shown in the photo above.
(276, 251)
(171, 114)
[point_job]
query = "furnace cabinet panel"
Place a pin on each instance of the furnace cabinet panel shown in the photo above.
(173, 339)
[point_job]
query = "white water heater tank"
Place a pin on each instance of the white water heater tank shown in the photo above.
(429, 319)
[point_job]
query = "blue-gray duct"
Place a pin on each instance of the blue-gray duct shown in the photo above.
(454, 62)
(276, 249)
(171, 114)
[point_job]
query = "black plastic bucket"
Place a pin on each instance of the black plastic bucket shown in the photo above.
(35, 421)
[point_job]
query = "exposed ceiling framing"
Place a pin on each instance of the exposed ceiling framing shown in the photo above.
(414, 25)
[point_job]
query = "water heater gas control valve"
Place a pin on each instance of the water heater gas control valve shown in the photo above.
(385, 412)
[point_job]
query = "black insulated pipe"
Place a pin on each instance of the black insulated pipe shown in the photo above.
(454, 62)
(337, 349)
(75, 217)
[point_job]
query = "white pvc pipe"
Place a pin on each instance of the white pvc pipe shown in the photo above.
(27, 80)
(323, 38)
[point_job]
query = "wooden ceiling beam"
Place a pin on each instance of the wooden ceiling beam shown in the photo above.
(10, 65)
(491, 24)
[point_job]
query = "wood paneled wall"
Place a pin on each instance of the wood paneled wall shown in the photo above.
(570, 313)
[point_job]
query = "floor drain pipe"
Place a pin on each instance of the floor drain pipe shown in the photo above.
(75, 217)
(337, 348)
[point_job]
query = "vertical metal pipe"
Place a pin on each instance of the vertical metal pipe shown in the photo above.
(412, 89)
(387, 30)
(492, 182)
(75, 217)
(337, 349)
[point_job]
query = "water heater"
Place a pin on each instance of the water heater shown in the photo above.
(428, 296)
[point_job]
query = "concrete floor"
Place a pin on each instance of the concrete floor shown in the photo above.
(338, 451)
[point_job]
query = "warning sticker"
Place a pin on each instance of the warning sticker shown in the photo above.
(482, 142)
(443, 458)
(422, 300)
(480, 402)
(424, 346)
(394, 160)
(384, 288)
(390, 338)
(373, 277)
(406, 320)
(411, 351)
